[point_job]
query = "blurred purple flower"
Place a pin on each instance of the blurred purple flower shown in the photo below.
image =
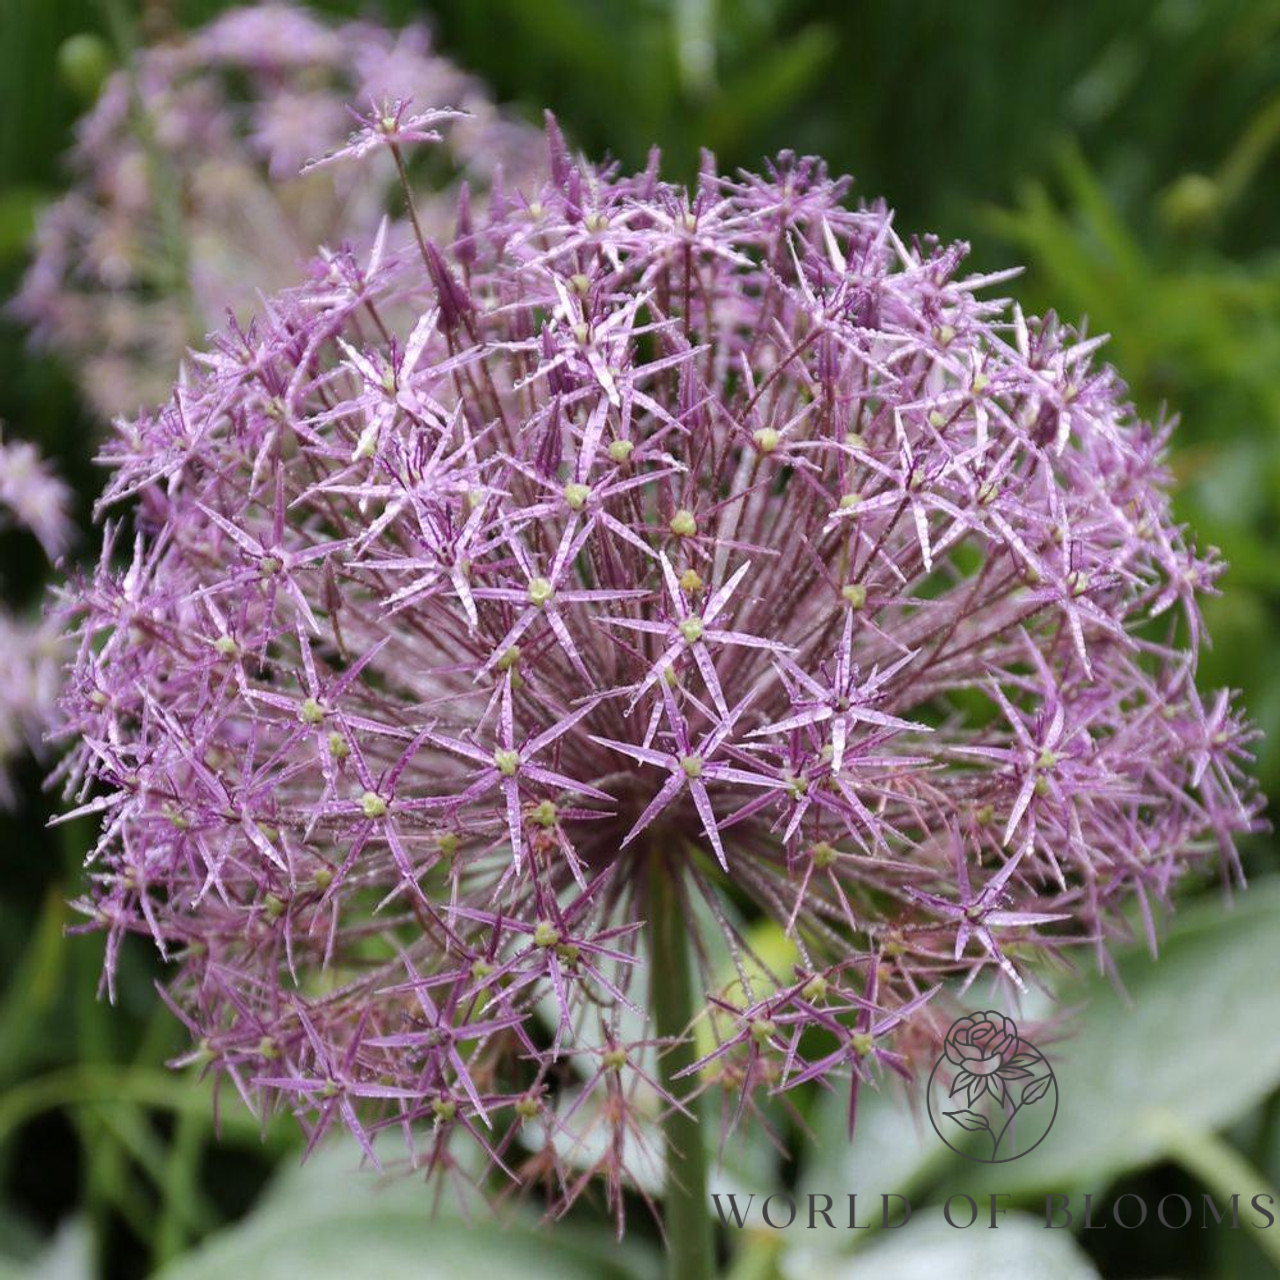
(389, 124)
(34, 497)
(234, 111)
(33, 651)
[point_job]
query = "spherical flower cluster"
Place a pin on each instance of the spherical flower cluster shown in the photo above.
(680, 560)
(186, 196)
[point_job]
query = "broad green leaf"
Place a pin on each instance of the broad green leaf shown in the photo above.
(330, 1220)
(391, 1246)
(1198, 1035)
(929, 1249)
(894, 1148)
(67, 1256)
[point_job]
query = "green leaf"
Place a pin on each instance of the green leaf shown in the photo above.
(68, 1255)
(894, 1147)
(1206, 1009)
(33, 989)
(928, 1248)
(18, 207)
(1198, 1034)
(387, 1244)
(329, 1220)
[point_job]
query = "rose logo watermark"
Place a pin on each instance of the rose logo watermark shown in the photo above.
(991, 1079)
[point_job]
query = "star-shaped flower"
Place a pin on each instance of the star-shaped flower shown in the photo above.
(691, 765)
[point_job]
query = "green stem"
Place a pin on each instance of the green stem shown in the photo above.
(1217, 1164)
(96, 1084)
(418, 234)
(165, 182)
(671, 998)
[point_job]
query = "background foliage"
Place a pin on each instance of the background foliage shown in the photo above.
(1127, 152)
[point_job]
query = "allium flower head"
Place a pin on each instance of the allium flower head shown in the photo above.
(202, 206)
(717, 552)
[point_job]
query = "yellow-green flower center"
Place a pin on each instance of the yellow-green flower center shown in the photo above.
(684, 523)
(543, 814)
(576, 495)
(815, 990)
(824, 855)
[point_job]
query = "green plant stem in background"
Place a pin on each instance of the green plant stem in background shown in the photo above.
(94, 1084)
(1218, 1165)
(175, 274)
(671, 998)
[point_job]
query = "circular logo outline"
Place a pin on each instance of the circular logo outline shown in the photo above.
(1023, 1046)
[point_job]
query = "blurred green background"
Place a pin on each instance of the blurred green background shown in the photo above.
(1127, 152)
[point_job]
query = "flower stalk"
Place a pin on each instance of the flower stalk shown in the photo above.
(672, 1000)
